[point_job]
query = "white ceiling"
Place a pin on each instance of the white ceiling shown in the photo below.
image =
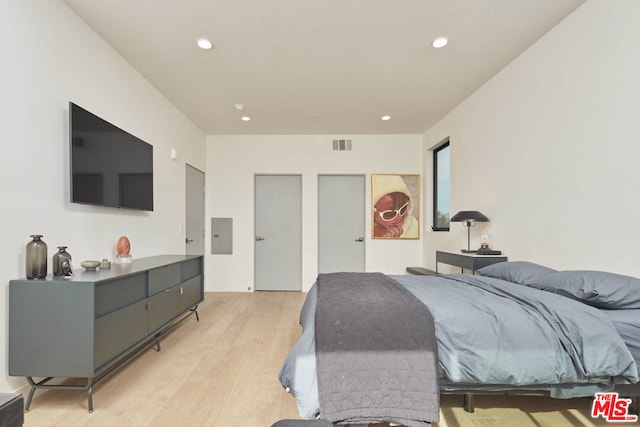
(330, 67)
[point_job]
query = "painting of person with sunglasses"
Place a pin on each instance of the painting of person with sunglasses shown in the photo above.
(393, 206)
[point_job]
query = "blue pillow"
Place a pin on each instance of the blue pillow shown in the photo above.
(521, 272)
(597, 288)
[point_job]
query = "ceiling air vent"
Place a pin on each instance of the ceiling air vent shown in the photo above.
(341, 145)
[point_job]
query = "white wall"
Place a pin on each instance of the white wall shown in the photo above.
(232, 163)
(50, 57)
(549, 148)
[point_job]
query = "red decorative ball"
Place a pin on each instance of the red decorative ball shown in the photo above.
(123, 247)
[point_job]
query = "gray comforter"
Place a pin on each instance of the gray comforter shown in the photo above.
(493, 335)
(375, 352)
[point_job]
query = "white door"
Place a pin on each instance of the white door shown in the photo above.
(341, 223)
(278, 233)
(194, 229)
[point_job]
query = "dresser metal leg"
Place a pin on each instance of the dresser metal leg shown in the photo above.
(27, 405)
(90, 395)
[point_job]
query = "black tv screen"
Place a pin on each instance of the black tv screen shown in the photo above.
(109, 166)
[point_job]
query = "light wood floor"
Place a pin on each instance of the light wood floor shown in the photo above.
(223, 371)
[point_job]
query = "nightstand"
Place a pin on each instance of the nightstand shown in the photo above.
(11, 410)
(471, 262)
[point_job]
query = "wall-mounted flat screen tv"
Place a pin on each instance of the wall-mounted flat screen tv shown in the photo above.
(109, 166)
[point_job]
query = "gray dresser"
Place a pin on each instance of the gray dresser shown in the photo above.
(92, 323)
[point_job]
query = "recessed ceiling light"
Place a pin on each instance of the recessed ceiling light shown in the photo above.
(385, 118)
(245, 118)
(440, 42)
(238, 107)
(204, 44)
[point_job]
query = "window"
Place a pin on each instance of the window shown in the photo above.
(441, 188)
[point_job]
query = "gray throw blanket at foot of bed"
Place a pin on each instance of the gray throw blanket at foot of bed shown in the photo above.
(376, 352)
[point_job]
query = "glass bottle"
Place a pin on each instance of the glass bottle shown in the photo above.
(36, 258)
(62, 262)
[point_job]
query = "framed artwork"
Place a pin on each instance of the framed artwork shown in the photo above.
(395, 206)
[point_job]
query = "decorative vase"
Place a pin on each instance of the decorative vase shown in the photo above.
(36, 258)
(62, 262)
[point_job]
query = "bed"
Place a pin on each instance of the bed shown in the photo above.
(518, 327)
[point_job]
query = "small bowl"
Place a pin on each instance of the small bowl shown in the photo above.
(90, 265)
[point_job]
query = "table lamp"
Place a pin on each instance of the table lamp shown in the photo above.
(469, 219)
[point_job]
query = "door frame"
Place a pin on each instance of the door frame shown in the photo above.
(255, 231)
(187, 216)
(364, 213)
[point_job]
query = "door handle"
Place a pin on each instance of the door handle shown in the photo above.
(188, 240)
(258, 238)
(360, 239)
